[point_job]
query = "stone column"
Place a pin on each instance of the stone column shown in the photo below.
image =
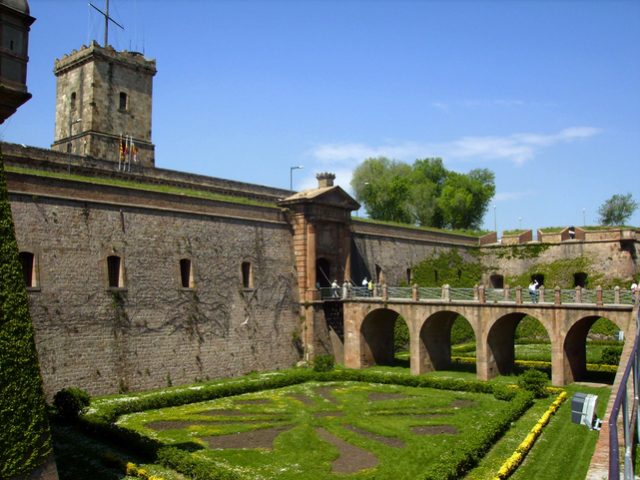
(446, 296)
(415, 293)
(519, 295)
(578, 294)
(352, 337)
(599, 296)
(312, 291)
(481, 294)
(557, 299)
(346, 246)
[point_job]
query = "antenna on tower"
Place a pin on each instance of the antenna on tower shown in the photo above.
(107, 18)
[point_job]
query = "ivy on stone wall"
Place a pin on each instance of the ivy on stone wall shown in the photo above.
(520, 252)
(561, 273)
(25, 440)
(449, 268)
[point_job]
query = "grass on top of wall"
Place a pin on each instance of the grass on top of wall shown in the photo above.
(169, 189)
(466, 233)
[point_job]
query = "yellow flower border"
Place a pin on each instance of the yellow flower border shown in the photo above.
(136, 471)
(130, 468)
(514, 461)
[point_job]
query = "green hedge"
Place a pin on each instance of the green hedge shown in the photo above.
(101, 420)
(25, 441)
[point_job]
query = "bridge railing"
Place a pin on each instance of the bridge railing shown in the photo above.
(518, 295)
(626, 400)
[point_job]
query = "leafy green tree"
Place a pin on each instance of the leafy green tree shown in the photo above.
(425, 193)
(465, 198)
(383, 185)
(617, 209)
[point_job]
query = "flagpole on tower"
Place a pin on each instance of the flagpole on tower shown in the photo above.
(107, 18)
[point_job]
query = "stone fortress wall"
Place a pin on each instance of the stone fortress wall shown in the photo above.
(152, 331)
(142, 277)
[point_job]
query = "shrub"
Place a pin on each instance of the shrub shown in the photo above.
(70, 402)
(503, 392)
(400, 335)
(611, 355)
(461, 331)
(535, 382)
(323, 363)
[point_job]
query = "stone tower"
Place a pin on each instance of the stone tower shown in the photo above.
(103, 95)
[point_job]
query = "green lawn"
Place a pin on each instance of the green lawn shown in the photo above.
(352, 411)
(363, 415)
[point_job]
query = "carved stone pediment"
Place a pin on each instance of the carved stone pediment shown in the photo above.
(333, 196)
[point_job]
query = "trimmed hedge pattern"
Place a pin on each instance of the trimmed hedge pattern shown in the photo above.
(101, 418)
(25, 440)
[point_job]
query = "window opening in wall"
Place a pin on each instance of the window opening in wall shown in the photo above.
(497, 281)
(123, 101)
(186, 274)
(435, 276)
(27, 260)
(69, 147)
(323, 273)
(114, 267)
(247, 275)
(73, 100)
(409, 276)
(379, 274)
(580, 279)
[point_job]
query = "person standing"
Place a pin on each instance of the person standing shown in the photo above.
(533, 291)
(335, 289)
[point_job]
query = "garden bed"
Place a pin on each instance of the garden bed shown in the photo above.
(309, 425)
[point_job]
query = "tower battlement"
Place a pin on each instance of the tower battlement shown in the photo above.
(104, 97)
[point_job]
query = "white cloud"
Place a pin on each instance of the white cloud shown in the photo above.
(517, 148)
(508, 196)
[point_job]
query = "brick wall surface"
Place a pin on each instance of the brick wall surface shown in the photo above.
(153, 332)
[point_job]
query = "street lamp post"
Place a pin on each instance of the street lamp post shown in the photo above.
(495, 222)
(291, 169)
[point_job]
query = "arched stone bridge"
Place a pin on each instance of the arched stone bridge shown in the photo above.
(369, 323)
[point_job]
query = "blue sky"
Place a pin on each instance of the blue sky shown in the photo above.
(546, 94)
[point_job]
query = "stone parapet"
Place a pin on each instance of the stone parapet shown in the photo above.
(133, 60)
(55, 161)
(518, 238)
(412, 233)
(35, 185)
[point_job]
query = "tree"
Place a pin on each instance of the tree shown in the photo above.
(617, 210)
(425, 193)
(25, 440)
(383, 186)
(465, 198)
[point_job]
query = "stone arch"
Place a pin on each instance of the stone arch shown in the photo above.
(434, 345)
(500, 343)
(496, 280)
(376, 334)
(575, 348)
